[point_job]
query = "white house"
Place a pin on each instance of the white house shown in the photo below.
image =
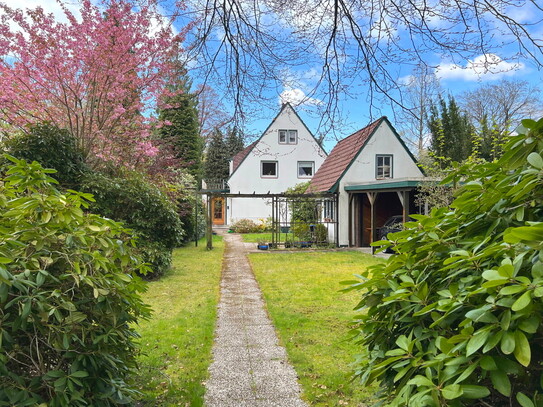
(286, 154)
(374, 175)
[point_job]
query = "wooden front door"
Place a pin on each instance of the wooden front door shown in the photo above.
(217, 211)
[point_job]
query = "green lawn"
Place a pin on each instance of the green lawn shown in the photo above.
(312, 318)
(257, 237)
(177, 340)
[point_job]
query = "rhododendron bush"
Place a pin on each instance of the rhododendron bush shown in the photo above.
(96, 74)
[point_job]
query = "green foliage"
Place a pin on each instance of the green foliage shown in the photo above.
(144, 208)
(321, 233)
(233, 142)
(455, 316)
(180, 125)
(156, 256)
(52, 148)
(216, 165)
(451, 132)
(69, 297)
(301, 232)
(302, 209)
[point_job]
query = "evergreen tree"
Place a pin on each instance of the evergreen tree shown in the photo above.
(234, 142)
(451, 132)
(181, 125)
(216, 166)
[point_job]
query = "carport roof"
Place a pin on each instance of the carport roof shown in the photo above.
(395, 184)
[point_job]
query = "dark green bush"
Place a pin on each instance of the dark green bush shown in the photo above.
(52, 148)
(143, 208)
(301, 232)
(454, 318)
(157, 257)
(140, 205)
(321, 234)
(69, 297)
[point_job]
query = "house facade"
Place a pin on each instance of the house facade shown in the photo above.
(375, 176)
(286, 154)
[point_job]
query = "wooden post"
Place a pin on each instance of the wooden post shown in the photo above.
(350, 219)
(209, 230)
(371, 197)
(405, 205)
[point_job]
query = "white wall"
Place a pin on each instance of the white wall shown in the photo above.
(247, 178)
(362, 170)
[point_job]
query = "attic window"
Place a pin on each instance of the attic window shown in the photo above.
(268, 169)
(305, 169)
(383, 167)
(288, 136)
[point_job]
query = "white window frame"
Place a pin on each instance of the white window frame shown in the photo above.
(262, 169)
(308, 164)
(385, 174)
(289, 136)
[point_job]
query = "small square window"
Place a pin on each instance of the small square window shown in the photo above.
(288, 136)
(305, 169)
(268, 169)
(383, 168)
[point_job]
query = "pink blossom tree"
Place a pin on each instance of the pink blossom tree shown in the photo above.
(97, 75)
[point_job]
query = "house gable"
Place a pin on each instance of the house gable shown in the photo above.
(342, 155)
(383, 141)
(298, 151)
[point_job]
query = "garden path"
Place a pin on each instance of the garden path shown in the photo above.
(250, 368)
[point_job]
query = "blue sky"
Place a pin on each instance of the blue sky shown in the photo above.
(298, 82)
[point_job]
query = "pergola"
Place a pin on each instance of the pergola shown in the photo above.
(279, 211)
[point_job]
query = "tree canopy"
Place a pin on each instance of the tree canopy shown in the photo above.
(95, 75)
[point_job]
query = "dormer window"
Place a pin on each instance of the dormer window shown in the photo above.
(383, 167)
(288, 136)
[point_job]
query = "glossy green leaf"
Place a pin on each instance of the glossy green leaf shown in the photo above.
(508, 343)
(524, 400)
(476, 342)
(535, 160)
(501, 382)
(523, 301)
(522, 352)
(474, 392)
(452, 391)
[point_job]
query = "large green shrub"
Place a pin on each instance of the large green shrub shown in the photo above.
(68, 297)
(454, 318)
(52, 148)
(145, 209)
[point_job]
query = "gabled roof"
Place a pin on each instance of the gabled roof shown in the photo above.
(341, 156)
(241, 156)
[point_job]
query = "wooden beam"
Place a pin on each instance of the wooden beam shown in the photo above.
(372, 196)
(350, 219)
(405, 204)
(209, 229)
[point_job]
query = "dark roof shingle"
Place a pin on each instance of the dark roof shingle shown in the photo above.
(340, 157)
(239, 157)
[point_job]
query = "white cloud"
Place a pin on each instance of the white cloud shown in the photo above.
(297, 97)
(49, 6)
(483, 67)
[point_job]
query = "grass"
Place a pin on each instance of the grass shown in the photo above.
(177, 341)
(257, 237)
(312, 317)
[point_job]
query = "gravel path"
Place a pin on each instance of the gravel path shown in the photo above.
(249, 367)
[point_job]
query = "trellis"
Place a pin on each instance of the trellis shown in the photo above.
(282, 223)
